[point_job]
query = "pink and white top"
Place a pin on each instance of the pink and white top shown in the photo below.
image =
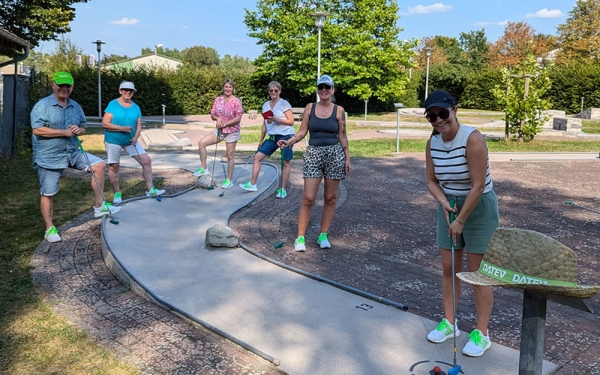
(227, 112)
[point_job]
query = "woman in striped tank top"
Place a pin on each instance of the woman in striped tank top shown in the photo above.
(458, 170)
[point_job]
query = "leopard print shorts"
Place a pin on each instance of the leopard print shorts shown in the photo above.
(324, 161)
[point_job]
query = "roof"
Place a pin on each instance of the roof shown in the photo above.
(10, 40)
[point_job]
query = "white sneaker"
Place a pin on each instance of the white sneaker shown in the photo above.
(248, 186)
(477, 344)
(200, 172)
(443, 332)
(300, 244)
(281, 193)
(51, 235)
(105, 209)
(154, 192)
(118, 198)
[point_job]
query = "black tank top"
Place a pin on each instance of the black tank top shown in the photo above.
(323, 131)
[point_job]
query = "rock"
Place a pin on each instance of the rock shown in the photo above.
(220, 235)
(204, 181)
(185, 142)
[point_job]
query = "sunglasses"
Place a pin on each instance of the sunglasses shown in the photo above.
(65, 86)
(324, 87)
(274, 90)
(443, 114)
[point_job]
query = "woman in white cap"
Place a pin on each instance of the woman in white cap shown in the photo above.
(278, 125)
(327, 157)
(457, 169)
(122, 123)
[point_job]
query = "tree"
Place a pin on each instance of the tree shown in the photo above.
(113, 58)
(198, 56)
(475, 47)
(522, 94)
(36, 20)
(172, 53)
(512, 48)
(359, 47)
(579, 36)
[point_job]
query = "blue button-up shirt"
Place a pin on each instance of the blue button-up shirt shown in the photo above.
(59, 152)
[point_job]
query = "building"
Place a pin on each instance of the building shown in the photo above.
(153, 61)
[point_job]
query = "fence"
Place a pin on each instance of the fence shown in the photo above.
(14, 113)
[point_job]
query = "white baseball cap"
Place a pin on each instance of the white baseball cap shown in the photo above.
(126, 85)
(325, 80)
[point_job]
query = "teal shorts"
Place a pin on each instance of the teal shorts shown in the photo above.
(478, 228)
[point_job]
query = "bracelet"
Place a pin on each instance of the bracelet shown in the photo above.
(460, 221)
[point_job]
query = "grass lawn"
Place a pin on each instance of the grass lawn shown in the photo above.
(34, 340)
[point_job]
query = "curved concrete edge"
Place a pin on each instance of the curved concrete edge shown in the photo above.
(126, 277)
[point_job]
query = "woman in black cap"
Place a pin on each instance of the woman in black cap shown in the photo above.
(327, 157)
(458, 170)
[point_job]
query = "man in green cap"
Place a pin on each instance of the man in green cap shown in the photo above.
(56, 121)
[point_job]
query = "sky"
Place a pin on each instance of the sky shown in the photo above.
(128, 26)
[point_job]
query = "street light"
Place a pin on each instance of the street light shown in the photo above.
(398, 106)
(319, 22)
(428, 54)
(156, 49)
(99, 44)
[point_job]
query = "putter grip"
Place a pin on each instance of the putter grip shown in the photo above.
(451, 201)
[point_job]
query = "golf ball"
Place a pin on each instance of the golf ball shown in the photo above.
(437, 370)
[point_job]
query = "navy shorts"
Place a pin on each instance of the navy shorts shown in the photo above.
(270, 146)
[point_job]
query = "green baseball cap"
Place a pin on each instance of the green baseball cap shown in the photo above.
(63, 78)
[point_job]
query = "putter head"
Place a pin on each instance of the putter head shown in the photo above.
(223, 193)
(279, 245)
(212, 187)
(569, 202)
(158, 198)
(113, 221)
(455, 370)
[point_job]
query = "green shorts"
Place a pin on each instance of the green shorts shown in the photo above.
(479, 226)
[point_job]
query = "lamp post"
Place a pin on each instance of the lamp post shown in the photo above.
(583, 97)
(99, 44)
(156, 49)
(428, 54)
(398, 106)
(319, 22)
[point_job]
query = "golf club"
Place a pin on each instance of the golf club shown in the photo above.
(212, 176)
(279, 244)
(158, 198)
(239, 172)
(585, 208)
(112, 219)
(456, 369)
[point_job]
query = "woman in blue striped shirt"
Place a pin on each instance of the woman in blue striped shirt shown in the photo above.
(458, 170)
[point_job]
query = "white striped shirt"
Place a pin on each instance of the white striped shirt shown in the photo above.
(450, 163)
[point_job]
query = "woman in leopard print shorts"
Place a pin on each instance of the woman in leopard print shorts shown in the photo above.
(327, 157)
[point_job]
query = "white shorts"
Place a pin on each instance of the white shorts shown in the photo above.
(229, 137)
(113, 151)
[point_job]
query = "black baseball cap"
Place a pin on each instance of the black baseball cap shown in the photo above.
(440, 98)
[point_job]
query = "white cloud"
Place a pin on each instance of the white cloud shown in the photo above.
(125, 21)
(546, 13)
(426, 9)
(498, 23)
(185, 27)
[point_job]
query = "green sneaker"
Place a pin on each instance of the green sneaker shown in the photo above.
(200, 172)
(300, 244)
(443, 332)
(118, 198)
(226, 184)
(323, 241)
